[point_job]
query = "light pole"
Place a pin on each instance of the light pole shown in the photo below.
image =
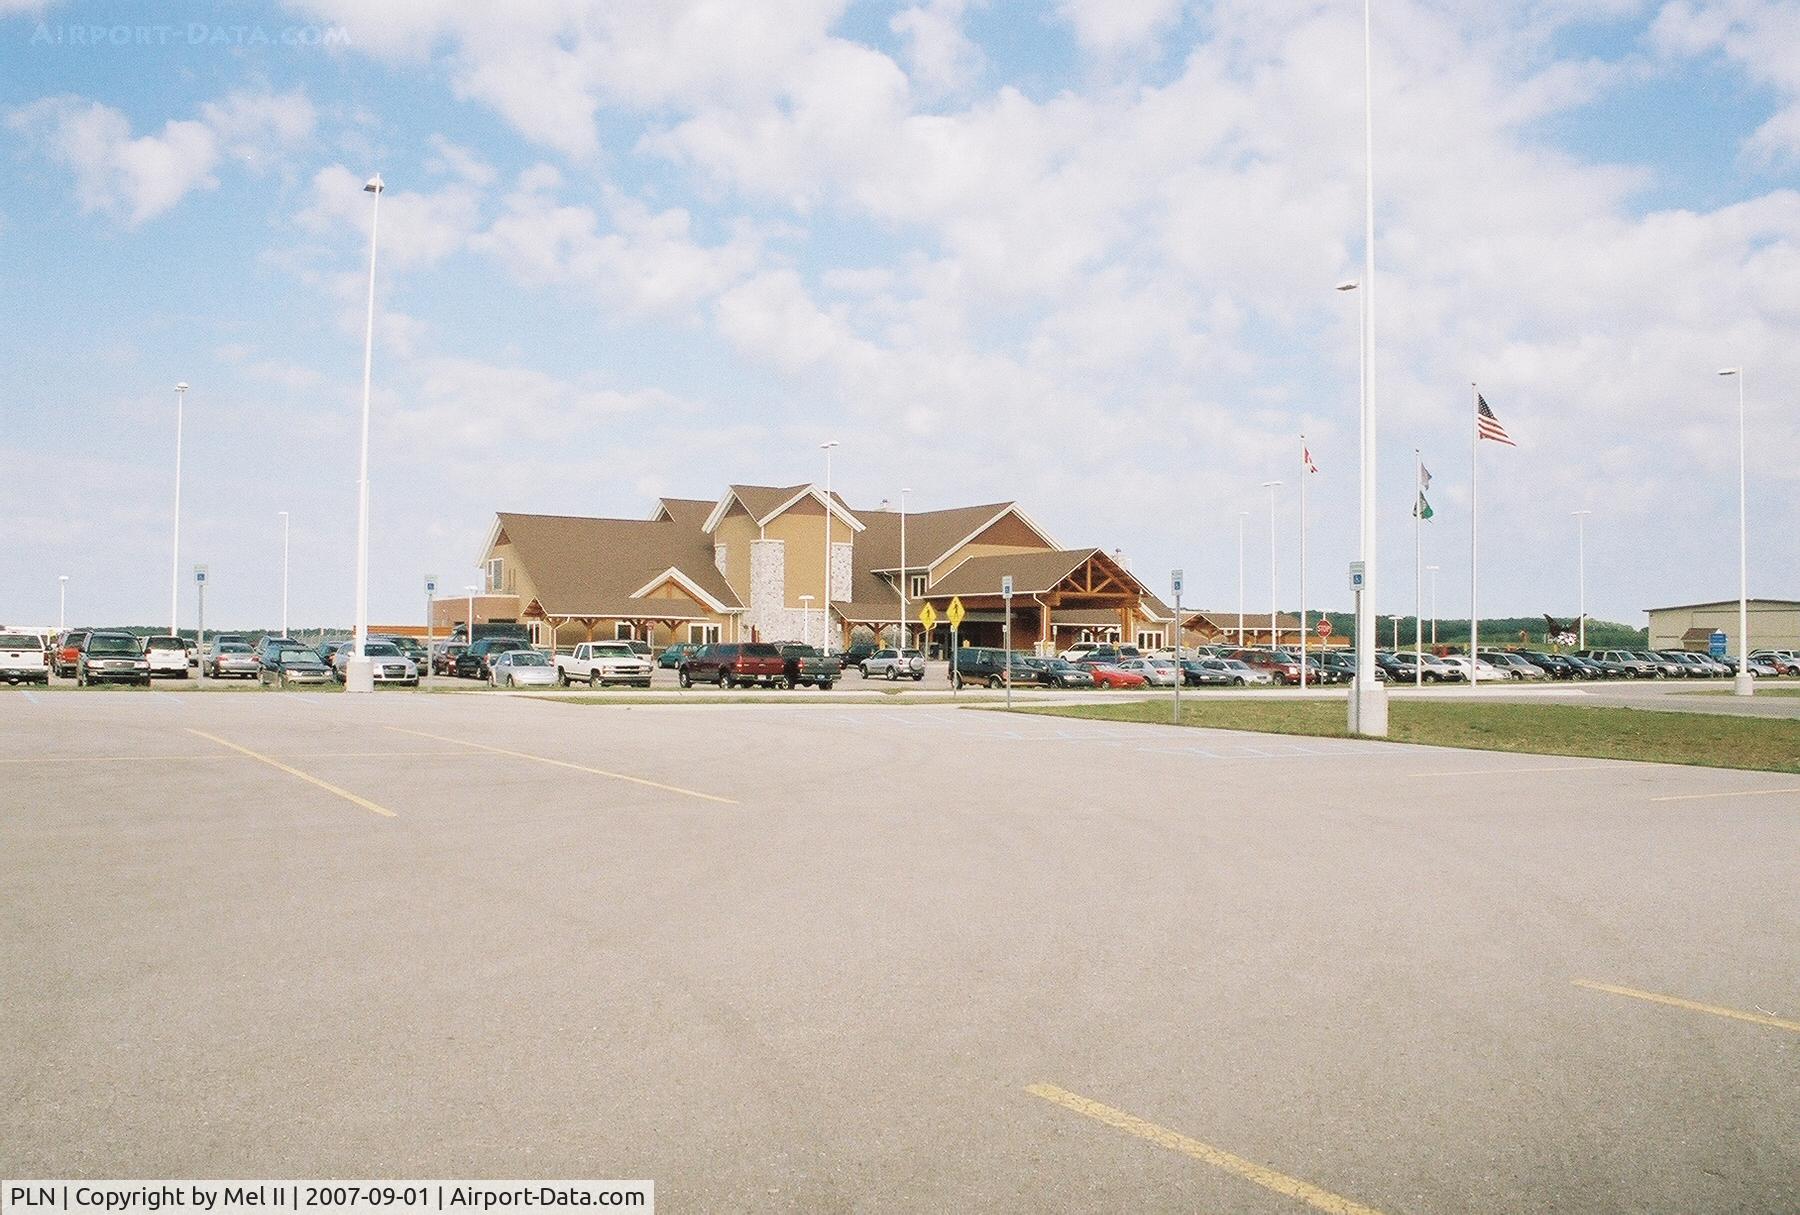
(1242, 515)
(825, 603)
(1581, 577)
(175, 547)
(359, 674)
(1368, 702)
(469, 625)
(806, 619)
(1744, 684)
(904, 639)
(1432, 570)
(284, 573)
(1274, 628)
(62, 604)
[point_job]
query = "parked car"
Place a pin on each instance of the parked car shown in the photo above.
(386, 661)
(472, 663)
(111, 658)
(444, 655)
(1477, 668)
(858, 651)
(327, 651)
(1201, 673)
(1099, 651)
(286, 664)
(672, 655)
(1623, 663)
(23, 659)
(1756, 667)
(1692, 665)
(1554, 666)
(1426, 667)
(894, 664)
(523, 669)
(805, 665)
(1516, 666)
(1061, 673)
(1113, 675)
(1782, 660)
(1156, 674)
(979, 664)
(66, 652)
(1282, 666)
(409, 646)
(1240, 673)
(1343, 663)
(595, 663)
(166, 656)
(232, 660)
(731, 663)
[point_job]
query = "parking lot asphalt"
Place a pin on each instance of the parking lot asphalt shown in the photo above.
(831, 956)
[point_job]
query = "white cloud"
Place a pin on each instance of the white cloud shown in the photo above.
(637, 259)
(417, 228)
(939, 56)
(1762, 37)
(1108, 27)
(138, 178)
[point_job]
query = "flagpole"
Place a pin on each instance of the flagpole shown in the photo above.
(1474, 528)
(1418, 569)
(1303, 475)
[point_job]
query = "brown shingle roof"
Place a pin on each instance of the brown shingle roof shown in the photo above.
(929, 534)
(1032, 573)
(590, 567)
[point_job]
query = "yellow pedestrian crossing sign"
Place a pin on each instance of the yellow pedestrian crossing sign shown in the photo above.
(928, 617)
(955, 613)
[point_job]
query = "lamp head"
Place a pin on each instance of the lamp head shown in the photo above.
(1348, 284)
(827, 446)
(181, 387)
(1729, 370)
(375, 185)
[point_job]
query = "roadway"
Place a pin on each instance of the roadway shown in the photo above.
(829, 956)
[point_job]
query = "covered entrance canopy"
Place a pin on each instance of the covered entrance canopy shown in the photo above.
(1097, 593)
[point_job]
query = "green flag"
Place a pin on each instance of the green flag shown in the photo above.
(1423, 509)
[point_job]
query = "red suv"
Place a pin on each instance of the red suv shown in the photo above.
(1285, 667)
(733, 663)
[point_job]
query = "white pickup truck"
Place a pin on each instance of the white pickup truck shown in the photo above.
(23, 659)
(602, 662)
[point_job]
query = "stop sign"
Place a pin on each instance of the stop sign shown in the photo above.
(1324, 628)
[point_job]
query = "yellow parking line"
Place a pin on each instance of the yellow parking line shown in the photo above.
(563, 763)
(1175, 1141)
(1691, 1005)
(1699, 797)
(348, 796)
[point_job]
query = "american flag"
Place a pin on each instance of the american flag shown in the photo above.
(1487, 425)
(1306, 458)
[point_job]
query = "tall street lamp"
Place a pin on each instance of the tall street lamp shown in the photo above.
(1745, 683)
(1274, 628)
(359, 673)
(825, 604)
(175, 547)
(905, 640)
(1368, 701)
(1242, 515)
(62, 603)
(284, 573)
(806, 619)
(469, 626)
(1581, 577)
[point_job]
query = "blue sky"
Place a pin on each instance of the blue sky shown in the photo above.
(1076, 255)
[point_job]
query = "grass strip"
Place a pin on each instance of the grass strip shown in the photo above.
(1707, 740)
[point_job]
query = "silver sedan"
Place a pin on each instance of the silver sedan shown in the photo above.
(522, 669)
